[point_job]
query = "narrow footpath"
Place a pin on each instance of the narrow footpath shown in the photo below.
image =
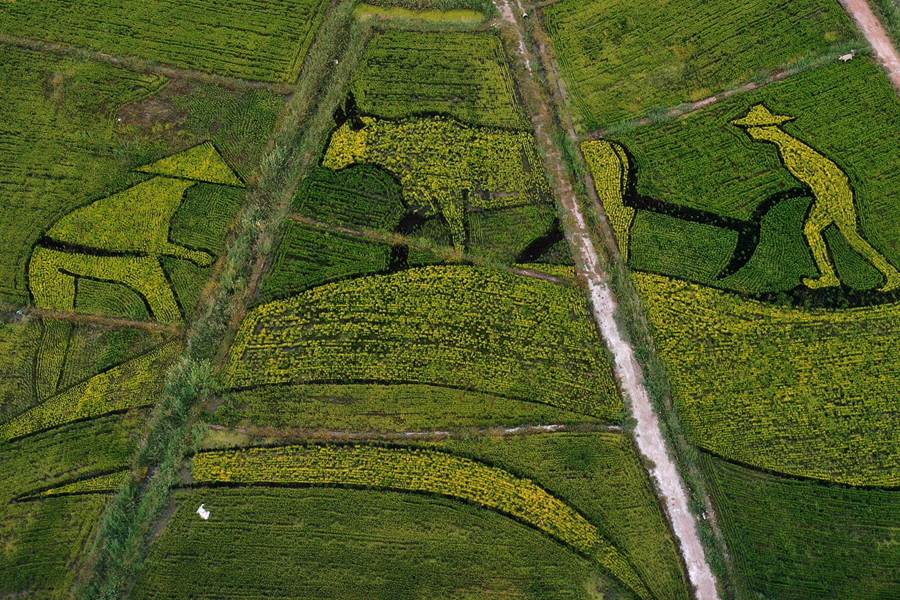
(648, 433)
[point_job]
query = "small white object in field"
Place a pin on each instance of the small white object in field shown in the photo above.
(524, 15)
(204, 514)
(845, 57)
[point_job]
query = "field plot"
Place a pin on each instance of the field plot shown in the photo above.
(367, 342)
(120, 189)
(601, 475)
(798, 539)
(461, 74)
(44, 538)
(622, 60)
(85, 143)
(307, 257)
(704, 162)
(414, 285)
(456, 327)
(445, 167)
(807, 219)
(357, 197)
(252, 40)
(810, 393)
(468, 551)
(753, 208)
(629, 540)
(72, 406)
(762, 236)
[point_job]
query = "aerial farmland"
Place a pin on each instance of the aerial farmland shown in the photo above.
(465, 299)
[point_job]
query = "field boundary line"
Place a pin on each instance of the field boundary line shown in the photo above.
(874, 32)
(141, 65)
(87, 319)
(795, 478)
(434, 434)
(647, 431)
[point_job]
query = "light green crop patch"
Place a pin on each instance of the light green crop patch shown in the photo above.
(462, 16)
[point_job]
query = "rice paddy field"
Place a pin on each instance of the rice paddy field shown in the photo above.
(293, 302)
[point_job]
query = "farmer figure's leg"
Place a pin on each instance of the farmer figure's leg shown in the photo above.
(817, 221)
(850, 231)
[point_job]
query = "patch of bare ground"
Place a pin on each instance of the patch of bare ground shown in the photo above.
(877, 36)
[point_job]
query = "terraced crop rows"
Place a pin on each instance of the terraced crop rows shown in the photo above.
(419, 289)
(111, 177)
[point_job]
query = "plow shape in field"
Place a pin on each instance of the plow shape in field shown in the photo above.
(831, 205)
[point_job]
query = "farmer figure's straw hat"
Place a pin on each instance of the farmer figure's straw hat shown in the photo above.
(760, 116)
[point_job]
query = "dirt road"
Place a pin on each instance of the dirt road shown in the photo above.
(877, 37)
(648, 433)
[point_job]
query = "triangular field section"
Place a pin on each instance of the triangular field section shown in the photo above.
(198, 163)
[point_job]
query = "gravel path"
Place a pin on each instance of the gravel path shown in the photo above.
(877, 37)
(648, 433)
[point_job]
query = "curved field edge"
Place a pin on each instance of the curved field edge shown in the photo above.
(601, 474)
(422, 471)
(457, 326)
(381, 407)
(101, 483)
(117, 389)
(840, 542)
(825, 413)
(429, 547)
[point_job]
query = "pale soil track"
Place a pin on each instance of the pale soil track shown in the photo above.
(292, 434)
(647, 432)
(88, 319)
(876, 35)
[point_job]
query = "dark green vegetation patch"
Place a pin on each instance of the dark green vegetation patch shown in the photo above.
(351, 550)
(797, 539)
(406, 73)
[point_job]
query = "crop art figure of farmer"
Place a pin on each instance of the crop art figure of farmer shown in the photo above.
(120, 238)
(833, 197)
